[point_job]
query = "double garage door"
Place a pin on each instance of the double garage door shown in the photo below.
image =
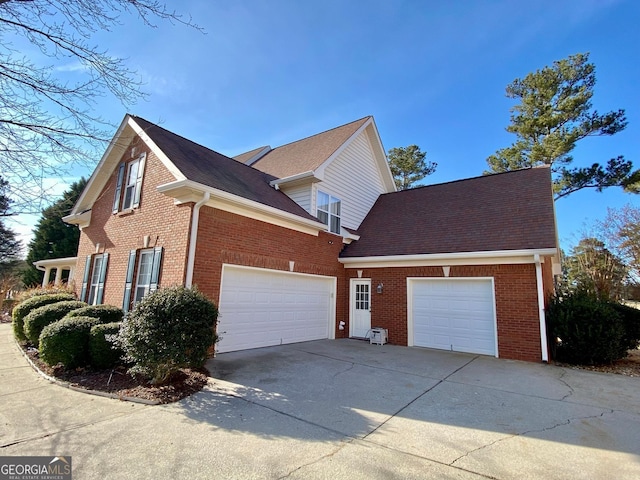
(453, 314)
(261, 308)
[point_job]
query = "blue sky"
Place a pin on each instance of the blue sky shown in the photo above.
(431, 73)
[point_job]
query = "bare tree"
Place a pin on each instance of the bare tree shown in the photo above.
(621, 230)
(47, 124)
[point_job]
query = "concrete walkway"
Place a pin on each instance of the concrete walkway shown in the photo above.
(337, 409)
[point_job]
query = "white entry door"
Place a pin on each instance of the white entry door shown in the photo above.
(260, 308)
(360, 320)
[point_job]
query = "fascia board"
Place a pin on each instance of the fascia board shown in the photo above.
(293, 179)
(321, 168)
(115, 146)
(168, 164)
(458, 258)
(242, 206)
(383, 163)
(82, 219)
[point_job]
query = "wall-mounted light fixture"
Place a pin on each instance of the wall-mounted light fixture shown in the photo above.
(379, 289)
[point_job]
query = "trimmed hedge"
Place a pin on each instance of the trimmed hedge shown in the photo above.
(67, 342)
(27, 306)
(104, 313)
(589, 331)
(631, 320)
(46, 315)
(103, 352)
(169, 329)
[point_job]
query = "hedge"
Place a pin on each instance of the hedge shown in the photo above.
(104, 313)
(67, 342)
(46, 315)
(103, 352)
(25, 307)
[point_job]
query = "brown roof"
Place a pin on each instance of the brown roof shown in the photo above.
(246, 156)
(307, 154)
(506, 211)
(215, 170)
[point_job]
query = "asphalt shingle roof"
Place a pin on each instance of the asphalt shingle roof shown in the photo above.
(218, 171)
(506, 211)
(307, 154)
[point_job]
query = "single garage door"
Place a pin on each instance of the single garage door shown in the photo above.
(453, 314)
(260, 308)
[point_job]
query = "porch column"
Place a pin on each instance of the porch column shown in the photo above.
(45, 280)
(58, 276)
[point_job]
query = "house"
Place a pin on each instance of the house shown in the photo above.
(310, 240)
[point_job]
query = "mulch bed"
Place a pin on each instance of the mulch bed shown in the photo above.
(121, 384)
(629, 366)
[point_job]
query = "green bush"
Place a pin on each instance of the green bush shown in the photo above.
(631, 320)
(104, 313)
(67, 342)
(588, 331)
(31, 303)
(46, 315)
(169, 329)
(103, 353)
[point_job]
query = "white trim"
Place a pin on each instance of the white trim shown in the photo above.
(56, 262)
(543, 325)
(193, 239)
(188, 190)
(410, 323)
(497, 257)
(331, 327)
(169, 165)
(352, 297)
(293, 179)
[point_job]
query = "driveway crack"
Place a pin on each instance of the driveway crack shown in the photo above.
(527, 432)
(323, 457)
(561, 380)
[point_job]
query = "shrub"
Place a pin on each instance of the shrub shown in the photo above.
(631, 320)
(48, 290)
(590, 331)
(169, 329)
(103, 352)
(46, 315)
(31, 303)
(104, 313)
(67, 342)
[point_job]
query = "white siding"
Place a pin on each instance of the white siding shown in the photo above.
(354, 178)
(301, 194)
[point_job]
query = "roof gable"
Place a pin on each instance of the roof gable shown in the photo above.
(207, 167)
(307, 154)
(507, 211)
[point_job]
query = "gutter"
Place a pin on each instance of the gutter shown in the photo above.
(544, 346)
(195, 219)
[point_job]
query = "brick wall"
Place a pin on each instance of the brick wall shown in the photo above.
(516, 303)
(224, 237)
(166, 224)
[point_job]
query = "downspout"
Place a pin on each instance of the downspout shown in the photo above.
(195, 218)
(543, 325)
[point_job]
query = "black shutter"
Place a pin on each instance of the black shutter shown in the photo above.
(103, 274)
(126, 302)
(116, 198)
(155, 269)
(136, 198)
(85, 279)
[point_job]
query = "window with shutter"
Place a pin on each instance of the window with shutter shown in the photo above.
(129, 184)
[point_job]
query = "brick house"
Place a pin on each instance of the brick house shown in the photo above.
(310, 240)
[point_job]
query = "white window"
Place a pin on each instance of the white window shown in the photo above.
(95, 280)
(329, 211)
(130, 185)
(95, 273)
(143, 281)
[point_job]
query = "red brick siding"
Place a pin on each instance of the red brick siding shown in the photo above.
(224, 237)
(166, 224)
(516, 303)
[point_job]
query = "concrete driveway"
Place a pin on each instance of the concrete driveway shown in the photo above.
(338, 409)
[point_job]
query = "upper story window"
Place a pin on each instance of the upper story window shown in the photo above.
(329, 211)
(129, 184)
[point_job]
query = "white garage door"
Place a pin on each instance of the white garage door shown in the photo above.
(453, 314)
(260, 308)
